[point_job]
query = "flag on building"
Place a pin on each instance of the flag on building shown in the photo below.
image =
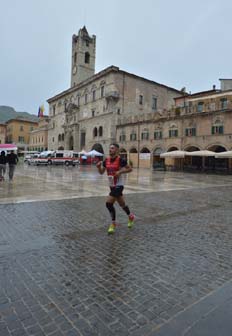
(41, 111)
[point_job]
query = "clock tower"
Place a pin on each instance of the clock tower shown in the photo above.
(83, 56)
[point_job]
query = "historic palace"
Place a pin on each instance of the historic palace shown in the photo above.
(146, 118)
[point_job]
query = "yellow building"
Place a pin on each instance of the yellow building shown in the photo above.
(39, 136)
(18, 132)
(2, 133)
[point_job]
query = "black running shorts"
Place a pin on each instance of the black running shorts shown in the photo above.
(116, 191)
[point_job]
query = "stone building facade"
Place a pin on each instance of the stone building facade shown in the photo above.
(39, 136)
(2, 133)
(196, 122)
(86, 115)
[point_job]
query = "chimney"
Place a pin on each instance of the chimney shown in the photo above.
(214, 87)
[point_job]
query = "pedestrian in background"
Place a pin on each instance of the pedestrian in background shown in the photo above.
(3, 161)
(12, 160)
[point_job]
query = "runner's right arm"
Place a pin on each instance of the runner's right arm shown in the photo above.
(100, 167)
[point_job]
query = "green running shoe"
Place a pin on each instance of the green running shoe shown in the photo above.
(111, 229)
(131, 221)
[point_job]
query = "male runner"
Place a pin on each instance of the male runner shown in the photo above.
(115, 167)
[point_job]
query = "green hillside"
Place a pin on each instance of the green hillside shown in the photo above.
(7, 112)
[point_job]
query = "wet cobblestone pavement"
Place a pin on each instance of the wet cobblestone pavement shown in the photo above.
(60, 274)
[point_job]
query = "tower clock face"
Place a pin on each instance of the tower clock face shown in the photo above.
(74, 70)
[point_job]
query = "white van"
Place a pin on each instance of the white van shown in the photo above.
(64, 157)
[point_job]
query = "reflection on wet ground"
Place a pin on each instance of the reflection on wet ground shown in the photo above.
(61, 274)
(33, 183)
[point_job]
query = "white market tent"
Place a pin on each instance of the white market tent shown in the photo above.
(94, 153)
(203, 153)
(222, 155)
(173, 154)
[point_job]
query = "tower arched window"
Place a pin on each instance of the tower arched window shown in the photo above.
(95, 132)
(75, 57)
(59, 137)
(87, 58)
(100, 131)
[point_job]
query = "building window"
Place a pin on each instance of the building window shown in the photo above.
(158, 135)
(95, 132)
(93, 113)
(122, 137)
(102, 91)
(100, 131)
(145, 135)
(87, 58)
(78, 101)
(83, 139)
(75, 57)
(154, 103)
(87, 43)
(223, 102)
(21, 128)
(190, 131)
(21, 139)
(173, 133)
(133, 136)
(53, 139)
(86, 98)
(54, 109)
(217, 129)
(31, 128)
(200, 106)
(140, 99)
(94, 95)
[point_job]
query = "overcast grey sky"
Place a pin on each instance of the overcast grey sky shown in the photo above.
(177, 43)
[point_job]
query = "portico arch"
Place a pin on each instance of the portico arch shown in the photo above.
(123, 153)
(157, 161)
(98, 147)
(133, 157)
(213, 163)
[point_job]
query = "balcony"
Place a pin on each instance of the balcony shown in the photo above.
(112, 95)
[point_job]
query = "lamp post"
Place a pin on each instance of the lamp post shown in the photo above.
(138, 144)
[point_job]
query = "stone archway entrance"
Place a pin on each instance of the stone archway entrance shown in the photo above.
(123, 153)
(157, 161)
(133, 157)
(192, 163)
(216, 164)
(98, 147)
(145, 158)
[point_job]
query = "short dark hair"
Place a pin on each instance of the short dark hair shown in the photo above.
(115, 145)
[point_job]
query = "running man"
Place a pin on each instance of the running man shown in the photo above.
(115, 167)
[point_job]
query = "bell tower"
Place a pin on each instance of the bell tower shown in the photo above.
(83, 56)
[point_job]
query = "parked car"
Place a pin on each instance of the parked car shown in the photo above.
(40, 159)
(29, 155)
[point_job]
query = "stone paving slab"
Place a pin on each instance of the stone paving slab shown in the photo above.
(60, 274)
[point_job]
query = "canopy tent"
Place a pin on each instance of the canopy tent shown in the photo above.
(94, 153)
(173, 154)
(223, 155)
(203, 153)
(8, 147)
(83, 152)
